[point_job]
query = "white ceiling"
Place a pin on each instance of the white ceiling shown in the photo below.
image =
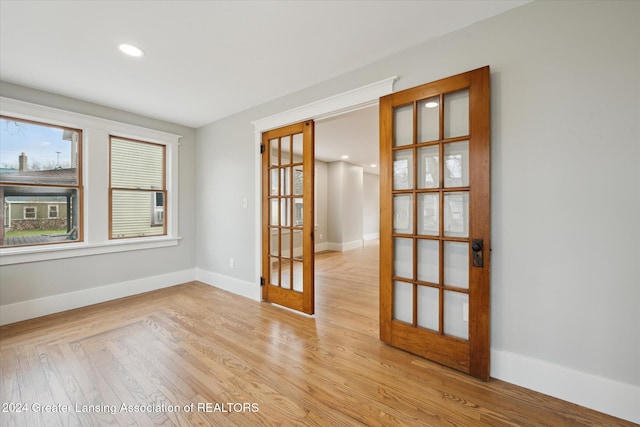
(206, 60)
(354, 134)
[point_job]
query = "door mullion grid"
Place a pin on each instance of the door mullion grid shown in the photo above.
(279, 198)
(441, 166)
(441, 117)
(414, 208)
(289, 202)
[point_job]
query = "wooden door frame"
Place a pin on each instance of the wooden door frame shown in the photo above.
(473, 355)
(304, 301)
(362, 97)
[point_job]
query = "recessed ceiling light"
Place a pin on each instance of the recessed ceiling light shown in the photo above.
(374, 166)
(345, 157)
(431, 104)
(131, 50)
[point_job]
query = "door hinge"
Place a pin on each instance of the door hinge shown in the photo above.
(262, 148)
(261, 281)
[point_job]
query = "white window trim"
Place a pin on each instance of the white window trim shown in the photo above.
(49, 212)
(95, 148)
(24, 212)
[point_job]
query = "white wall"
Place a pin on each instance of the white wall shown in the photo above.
(565, 190)
(322, 202)
(38, 288)
(371, 206)
(334, 202)
(344, 203)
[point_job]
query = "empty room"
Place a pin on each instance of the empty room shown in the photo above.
(374, 213)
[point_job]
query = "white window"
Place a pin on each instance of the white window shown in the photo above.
(30, 212)
(137, 183)
(74, 177)
(40, 165)
(52, 211)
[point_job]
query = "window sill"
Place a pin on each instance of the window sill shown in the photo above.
(20, 255)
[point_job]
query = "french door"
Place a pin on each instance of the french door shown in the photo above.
(287, 216)
(435, 221)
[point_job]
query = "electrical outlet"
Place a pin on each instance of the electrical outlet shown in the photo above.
(232, 262)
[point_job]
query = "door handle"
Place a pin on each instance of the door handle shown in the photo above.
(477, 247)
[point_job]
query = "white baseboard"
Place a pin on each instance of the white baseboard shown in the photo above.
(340, 247)
(11, 313)
(601, 394)
(321, 247)
(230, 284)
(371, 236)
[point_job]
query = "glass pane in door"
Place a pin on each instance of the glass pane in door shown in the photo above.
(285, 150)
(274, 182)
(403, 301)
(297, 275)
(403, 125)
(428, 307)
(403, 257)
(285, 273)
(403, 170)
(456, 314)
(274, 216)
(456, 164)
(275, 271)
(428, 167)
(456, 214)
(274, 155)
(456, 114)
(275, 242)
(297, 212)
(429, 119)
(298, 180)
(285, 212)
(403, 214)
(297, 147)
(429, 261)
(456, 264)
(428, 214)
(285, 181)
(297, 244)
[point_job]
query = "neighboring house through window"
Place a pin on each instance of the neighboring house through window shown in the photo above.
(40, 170)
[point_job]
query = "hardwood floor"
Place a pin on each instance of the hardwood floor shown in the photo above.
(196, 355)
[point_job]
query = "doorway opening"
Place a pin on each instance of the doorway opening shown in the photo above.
(347, 220)
(360, 98)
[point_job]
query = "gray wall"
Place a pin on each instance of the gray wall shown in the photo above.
(371, 205)
(565, 183)
(31, 281)
(335, 202)
(344, 203)
(322, 202)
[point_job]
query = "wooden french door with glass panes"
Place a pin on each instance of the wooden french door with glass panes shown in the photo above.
(287, 216)
(435, 221)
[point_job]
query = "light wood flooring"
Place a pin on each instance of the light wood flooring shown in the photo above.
(244, 363)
